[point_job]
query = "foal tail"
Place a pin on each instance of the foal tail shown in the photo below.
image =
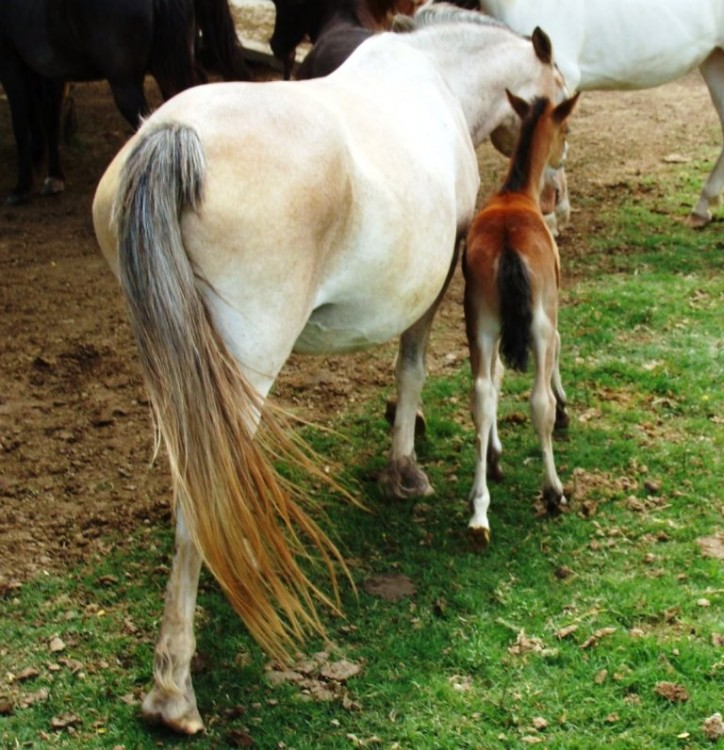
(516, 309)
(220, 49)
(238, 510)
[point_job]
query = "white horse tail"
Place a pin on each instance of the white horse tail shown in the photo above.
(516, 313)
(239, 512)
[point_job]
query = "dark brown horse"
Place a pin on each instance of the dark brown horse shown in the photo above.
(335, 28)
(44, 43)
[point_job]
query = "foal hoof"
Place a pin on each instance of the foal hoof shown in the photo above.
(479, 537)
(403, 479)
(52, 186)
(391, 411)
(562, 419)
(699, 221)
(554, 501)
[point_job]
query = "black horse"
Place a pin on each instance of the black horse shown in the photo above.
(335, 28)
(44, 43)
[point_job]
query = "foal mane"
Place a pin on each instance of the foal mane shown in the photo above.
(519, 170)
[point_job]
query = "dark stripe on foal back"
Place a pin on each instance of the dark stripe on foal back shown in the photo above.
(519, 171)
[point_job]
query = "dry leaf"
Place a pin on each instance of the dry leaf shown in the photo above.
(672, 692)
(391, 587)
(28, 673)
(56, 644)
(712, 546)
(567, 631)
(39, 696)
(713, 727)
(63, 721)
(340, 671)
(525, 645)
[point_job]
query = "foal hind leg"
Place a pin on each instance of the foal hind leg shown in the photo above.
(172, 701)
(543, 409)
(495, 447)
(562, 419)
(713, 71)
(483, 406)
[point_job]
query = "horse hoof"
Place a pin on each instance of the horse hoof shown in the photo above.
(562, 419)
(52, 186)
(699, 221)
(403, 479)
(17, 199)
(175, 712)
(494, 472)
(420, 422)
(554, 501)
(479, 537)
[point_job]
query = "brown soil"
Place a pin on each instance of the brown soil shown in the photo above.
(75, 434)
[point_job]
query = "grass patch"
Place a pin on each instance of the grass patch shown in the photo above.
(562, 634)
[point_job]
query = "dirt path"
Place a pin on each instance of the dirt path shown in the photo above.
(75, 437)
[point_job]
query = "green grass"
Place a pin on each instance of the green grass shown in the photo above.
(642, 363)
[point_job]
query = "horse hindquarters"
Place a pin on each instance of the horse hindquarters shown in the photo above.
(231, 507)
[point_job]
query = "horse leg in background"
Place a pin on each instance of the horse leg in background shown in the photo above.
(172, 700)
(543, 407)
(402, 477)
(25, 113)
(555, 204)
(68, 114)
(130, 100)
(51, 95)
(713, 71)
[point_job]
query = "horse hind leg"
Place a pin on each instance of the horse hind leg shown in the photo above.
(402, 477)
(713, 71)
(172, 701)
(543, 409)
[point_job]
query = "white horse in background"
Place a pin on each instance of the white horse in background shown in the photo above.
(632, 44)
(249, 220)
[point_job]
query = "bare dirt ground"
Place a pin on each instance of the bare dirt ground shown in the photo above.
(75, 435)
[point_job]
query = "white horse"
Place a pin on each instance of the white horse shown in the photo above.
(249, 220)
(632, 44)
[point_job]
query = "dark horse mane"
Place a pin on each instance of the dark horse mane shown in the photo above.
(520, 164)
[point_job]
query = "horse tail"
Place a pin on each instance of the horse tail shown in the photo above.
(516, 309)
(172, 61)
(220, 48)
(242, 517)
